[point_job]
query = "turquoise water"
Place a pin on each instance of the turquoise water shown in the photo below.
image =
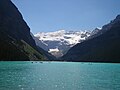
(59, 76)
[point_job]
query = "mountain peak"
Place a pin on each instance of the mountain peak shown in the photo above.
(61, 39)
(117, 18)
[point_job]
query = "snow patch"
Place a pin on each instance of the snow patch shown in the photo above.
(54, 50)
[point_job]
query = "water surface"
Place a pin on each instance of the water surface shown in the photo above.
(59, 76)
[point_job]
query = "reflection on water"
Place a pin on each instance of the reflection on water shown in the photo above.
(59, 76)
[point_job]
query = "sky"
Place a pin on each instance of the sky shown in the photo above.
(76, 15)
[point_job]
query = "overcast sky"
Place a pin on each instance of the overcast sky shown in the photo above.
(52, 15)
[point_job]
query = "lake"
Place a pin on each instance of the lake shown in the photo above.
(59, 76)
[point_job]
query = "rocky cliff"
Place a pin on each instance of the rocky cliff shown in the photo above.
(16, 43)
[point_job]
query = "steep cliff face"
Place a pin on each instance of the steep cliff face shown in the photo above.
(16, 43)
(103, 47)
(12, 23)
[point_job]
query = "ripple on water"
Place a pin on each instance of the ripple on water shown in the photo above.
(59, 76)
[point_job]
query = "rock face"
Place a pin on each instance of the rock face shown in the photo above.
(104, 46)
(16, 43)
(59, 42)
(11, 22)
(44, 52)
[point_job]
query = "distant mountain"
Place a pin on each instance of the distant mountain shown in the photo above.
(16, 43)
(59, 42)
(44, 52)
(104, 46)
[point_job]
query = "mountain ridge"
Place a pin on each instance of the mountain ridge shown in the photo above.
(15, 40)
(59, 42)
(104, 47)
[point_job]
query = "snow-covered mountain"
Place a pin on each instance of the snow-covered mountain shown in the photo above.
(59, 42)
